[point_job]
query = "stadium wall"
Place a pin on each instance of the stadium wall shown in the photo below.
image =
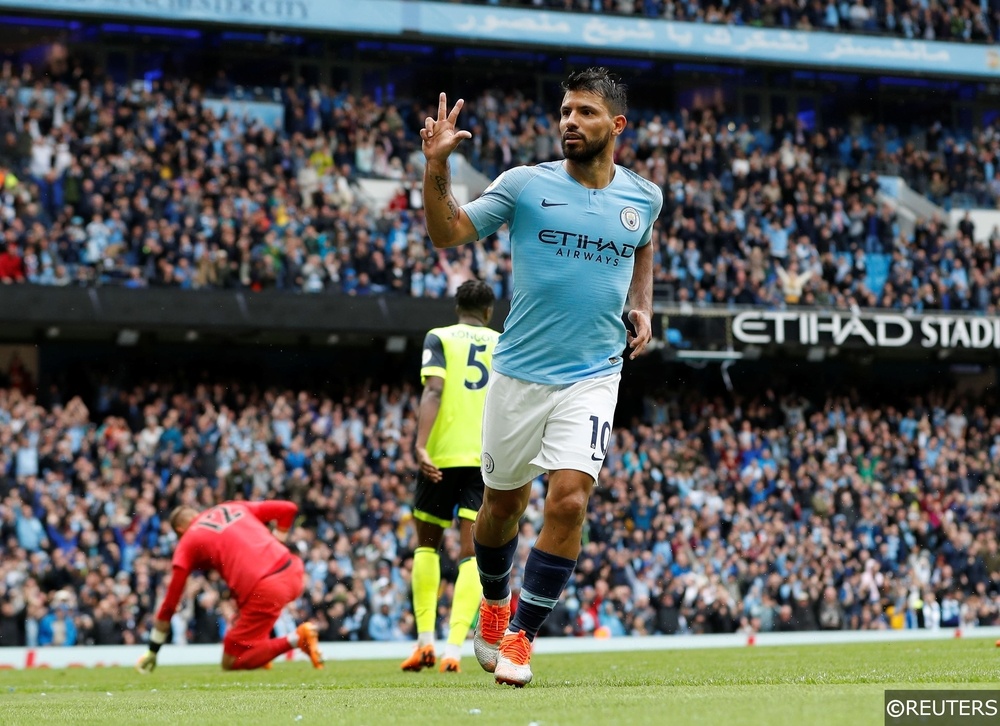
(125, 655)
(34, 313)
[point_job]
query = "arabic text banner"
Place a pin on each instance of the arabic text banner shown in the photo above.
(713, 42)
(480, 24)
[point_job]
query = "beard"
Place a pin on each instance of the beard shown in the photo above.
(587, 150)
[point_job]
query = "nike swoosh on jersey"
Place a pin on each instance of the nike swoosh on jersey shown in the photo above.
(546, 203)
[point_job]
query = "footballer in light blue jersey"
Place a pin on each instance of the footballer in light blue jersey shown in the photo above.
(580, 233)
(572, 251)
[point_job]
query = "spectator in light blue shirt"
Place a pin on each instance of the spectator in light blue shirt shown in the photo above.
(382, 625)
(778, 234)
(58, 628)
(608, 618)
(30, 532)
(26, 458)
(832, 18)
(959, 275)
(435, 282)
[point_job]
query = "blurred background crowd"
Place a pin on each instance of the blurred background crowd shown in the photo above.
(757, 509)
(713, 514)
(118, 184)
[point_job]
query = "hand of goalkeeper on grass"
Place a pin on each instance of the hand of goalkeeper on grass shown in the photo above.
(157, 637)
(147, 663)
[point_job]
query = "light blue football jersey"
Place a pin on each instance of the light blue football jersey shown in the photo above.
(572, 250)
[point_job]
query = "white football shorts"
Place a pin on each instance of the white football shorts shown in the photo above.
(533, 428)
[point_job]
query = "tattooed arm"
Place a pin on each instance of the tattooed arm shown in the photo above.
(447, 225)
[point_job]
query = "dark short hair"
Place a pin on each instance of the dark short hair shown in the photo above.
(474, 295)
(602, 82)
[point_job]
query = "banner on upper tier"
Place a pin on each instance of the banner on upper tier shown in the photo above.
(486, 24)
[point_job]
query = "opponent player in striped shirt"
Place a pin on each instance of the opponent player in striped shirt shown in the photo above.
(580, 232)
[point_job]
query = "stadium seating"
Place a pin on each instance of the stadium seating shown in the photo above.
(336, 225)
(773, 512)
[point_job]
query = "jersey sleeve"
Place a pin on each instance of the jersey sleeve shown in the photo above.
(654, 195)
(496, 204)
(433, 362)
(185, 553)
(281, 512)
(178, 577)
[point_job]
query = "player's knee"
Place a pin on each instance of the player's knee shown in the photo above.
(567, 509)
(502, 509)
(429, 535)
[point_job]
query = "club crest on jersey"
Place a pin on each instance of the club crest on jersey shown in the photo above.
(630, 219)
(488, 464)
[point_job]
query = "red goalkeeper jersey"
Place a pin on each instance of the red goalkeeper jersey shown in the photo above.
(231, 538)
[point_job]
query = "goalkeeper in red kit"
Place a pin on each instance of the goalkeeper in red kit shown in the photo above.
(262, 575)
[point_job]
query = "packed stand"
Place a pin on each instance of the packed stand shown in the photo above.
(762, 513)
(105, 184)
(112, 185)
(910, 19)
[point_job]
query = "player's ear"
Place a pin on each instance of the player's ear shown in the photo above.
(620, 122)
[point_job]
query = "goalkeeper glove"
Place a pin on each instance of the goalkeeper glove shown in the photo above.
(147, 663)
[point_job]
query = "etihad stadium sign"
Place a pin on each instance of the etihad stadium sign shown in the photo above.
(866, 330)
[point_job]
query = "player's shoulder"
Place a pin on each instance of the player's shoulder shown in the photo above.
(517, 177)
(644, 186)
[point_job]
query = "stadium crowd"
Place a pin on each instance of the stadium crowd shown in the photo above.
(757, 513)
(767, 512)
(105, 184)
(910, 19)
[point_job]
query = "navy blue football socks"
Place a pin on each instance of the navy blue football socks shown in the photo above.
(494, 565)
(545, 577)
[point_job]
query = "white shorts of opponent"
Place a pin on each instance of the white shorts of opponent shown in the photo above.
(532, 428)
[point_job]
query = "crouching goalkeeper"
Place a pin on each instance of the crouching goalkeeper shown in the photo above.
(262, 575)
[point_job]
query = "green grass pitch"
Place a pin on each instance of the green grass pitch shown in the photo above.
(829, 684)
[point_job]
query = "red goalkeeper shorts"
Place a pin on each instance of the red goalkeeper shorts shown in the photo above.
(259, 613)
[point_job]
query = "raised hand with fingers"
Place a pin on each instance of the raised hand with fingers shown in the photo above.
(440, 136)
